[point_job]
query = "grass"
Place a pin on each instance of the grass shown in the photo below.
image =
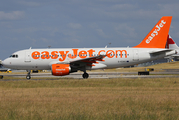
(77, 99)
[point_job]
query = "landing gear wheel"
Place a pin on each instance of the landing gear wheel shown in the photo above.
(85, 75)
(28, 77)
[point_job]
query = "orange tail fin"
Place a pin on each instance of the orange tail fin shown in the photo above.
(157, 37)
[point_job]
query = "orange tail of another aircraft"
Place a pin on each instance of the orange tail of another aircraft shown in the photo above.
(157, 37)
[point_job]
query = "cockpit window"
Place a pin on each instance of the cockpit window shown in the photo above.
(14, 56)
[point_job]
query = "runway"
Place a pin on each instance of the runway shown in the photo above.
(105, 75)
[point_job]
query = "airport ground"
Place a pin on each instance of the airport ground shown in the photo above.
(48, 97)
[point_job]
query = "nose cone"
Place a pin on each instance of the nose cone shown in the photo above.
(0, 63)
(5, 63)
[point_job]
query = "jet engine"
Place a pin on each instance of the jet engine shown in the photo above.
(60, 69)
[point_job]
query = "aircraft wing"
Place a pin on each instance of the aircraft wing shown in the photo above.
(89, 60)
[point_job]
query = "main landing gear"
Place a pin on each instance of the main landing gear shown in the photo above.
(85, 75)
(28, 75)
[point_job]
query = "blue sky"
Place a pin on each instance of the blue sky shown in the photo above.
(80, 23)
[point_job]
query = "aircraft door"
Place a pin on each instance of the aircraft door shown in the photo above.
(27, 56)
(136, 55)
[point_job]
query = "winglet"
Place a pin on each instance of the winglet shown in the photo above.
(157, 37)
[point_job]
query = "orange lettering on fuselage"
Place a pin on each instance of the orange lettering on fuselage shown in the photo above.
(110, 53)
(91, 52)
(99, 53)
(54, 54)
(36, 55)
(45, 55)
(121, 51)
(63, 54)
(82, 54)
(75, 53)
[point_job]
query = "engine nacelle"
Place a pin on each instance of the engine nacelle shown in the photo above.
(60, 69)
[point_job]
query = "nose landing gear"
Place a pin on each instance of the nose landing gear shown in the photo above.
(28, 76)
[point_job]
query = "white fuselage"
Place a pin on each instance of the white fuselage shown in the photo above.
(42, 59)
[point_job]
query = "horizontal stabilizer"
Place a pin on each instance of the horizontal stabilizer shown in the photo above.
(164, 51)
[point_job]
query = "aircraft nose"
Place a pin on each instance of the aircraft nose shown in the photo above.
(5, 63)
(1, 63)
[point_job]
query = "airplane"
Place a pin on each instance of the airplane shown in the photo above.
(172, 45)
(68, 60)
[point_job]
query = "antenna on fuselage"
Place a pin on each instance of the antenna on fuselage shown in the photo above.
(107, 45)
